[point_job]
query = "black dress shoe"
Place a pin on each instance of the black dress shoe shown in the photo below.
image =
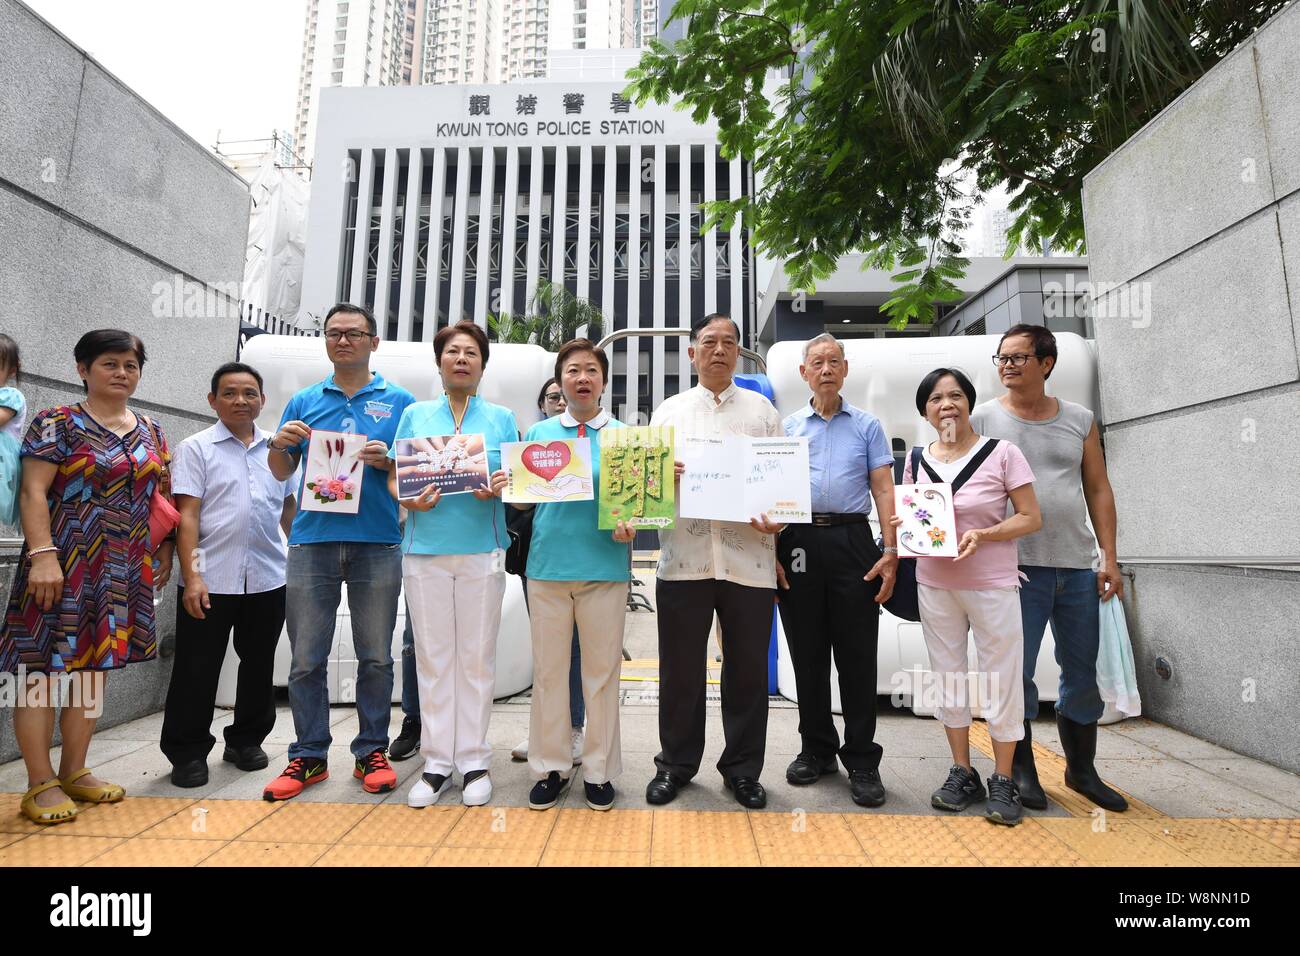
(245, 758)
(808, 768)
(866, 789)
(663, 788)
(749, 792)
(193, 773)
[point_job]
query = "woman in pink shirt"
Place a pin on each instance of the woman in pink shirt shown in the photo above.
(977, 590)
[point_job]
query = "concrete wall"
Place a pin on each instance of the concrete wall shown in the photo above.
(1196, 223)
(110, 216)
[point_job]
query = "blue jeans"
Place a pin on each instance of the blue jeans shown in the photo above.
(577, 708)
(410, 689)
(373, 574)
(1068, 598)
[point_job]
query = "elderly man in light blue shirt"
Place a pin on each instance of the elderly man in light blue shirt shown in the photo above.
(831, 576)
(233, 571)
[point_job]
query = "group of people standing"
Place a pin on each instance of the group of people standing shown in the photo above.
(1027, 469)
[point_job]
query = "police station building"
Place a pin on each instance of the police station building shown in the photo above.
(564, 182)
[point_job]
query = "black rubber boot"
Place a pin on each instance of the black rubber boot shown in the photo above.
(1079, 741)
(1025, 774)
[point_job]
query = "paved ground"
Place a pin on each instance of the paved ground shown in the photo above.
(1193, 804)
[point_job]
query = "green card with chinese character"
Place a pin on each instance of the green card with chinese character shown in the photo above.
(636, 477)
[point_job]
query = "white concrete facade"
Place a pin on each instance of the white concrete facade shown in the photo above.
(500, 171)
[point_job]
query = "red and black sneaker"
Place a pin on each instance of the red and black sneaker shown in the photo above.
(302, 772)
(375, 773)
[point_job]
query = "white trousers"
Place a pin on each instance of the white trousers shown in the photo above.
(599, 608)
(993, 617)
(455, 607)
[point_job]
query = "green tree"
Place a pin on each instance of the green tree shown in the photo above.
(555, 316)
(895, 115)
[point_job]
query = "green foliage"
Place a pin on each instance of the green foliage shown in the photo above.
(896, 114)
(554, 317)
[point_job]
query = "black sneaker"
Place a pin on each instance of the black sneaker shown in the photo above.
(866, 788)
(546, 793)
(407, 743)
(959, 791)
(600, 796)
(1004, 801)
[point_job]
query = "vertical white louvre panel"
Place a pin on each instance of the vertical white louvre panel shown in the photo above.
(584, 222)
(536, 165)
(711, 235)
(657, 266)
(361, 236)
(483, 274)
(737, 271)
(459, 225)
(633, 279)
(387, 217)
(509, 214)
(607, 258)
(686, 237)
(559, 215)
(433, 276)
(410, 240)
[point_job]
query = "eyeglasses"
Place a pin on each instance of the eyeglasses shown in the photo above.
(554, 396)
(353, 335)
(1019, 359)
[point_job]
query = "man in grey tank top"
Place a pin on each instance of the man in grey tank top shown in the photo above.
(1063, 446)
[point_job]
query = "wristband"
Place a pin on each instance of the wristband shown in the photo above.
(889, 550)
(46, 549)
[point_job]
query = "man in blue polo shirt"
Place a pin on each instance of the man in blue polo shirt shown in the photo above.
(325, 550)
(831, 570)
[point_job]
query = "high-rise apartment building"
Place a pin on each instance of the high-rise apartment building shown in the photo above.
(460, 41)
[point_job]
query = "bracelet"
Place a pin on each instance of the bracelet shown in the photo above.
(889, 550)
(52, 547)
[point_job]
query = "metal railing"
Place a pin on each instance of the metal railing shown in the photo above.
(654, 331)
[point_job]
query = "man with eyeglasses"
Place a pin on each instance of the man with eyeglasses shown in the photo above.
(326, 550)
(1062, 444)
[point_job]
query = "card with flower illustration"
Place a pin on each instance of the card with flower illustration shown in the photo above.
(454, 464)
(929, 528)
(333, 472)
(544, 472)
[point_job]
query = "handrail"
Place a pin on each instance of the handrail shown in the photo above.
(651, 331)
(1243, 561)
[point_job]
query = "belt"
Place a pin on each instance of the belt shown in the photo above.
(824, 520)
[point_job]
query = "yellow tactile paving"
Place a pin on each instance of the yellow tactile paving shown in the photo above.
(1051, 774)
(7, 838)
(909, 841)
(65, 851)
(703, 838)
(1280, 833)
(1025, 845)
(1120, 843)
(145, 852)
(772, 857)
(485, 856)
(213, 820)
(253, 853)
(554, 857)
(804, 834)
(308, 823)
(371, 855)
(498, 828)
(12, 819)
(1214, 842)
(603, 831)
(400, 825)
(128, 818)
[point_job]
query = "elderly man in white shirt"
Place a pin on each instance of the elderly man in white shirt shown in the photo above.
(715, 566)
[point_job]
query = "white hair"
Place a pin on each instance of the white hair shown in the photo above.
(824, 337)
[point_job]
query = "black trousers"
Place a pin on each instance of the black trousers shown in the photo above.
(829, 608)
(685, 619)
(257, 620)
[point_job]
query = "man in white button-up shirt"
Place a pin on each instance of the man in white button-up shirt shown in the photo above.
(715, 566)
(232, 561)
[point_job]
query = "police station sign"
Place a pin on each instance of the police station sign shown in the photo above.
(510, 107)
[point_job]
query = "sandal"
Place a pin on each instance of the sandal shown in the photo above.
(105, 793)
(58, 813)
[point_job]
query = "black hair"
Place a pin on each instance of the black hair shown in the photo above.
(700, 324)
(449, 332)
(102, 341)
(360, 310)
(1042, 338)
(9, 356)
(541, 396)
(581, 345)
(229, 369)
(930, 381)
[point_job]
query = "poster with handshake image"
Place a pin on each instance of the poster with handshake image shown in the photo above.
(454, 464)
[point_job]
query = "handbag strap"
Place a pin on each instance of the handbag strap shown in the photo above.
(964, 475)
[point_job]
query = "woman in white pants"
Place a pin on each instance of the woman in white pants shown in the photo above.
(576, 573)
(977, 590)
(453, 567)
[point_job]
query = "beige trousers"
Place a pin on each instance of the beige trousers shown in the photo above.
(598, 608)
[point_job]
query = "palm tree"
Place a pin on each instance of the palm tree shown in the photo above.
(555, 316)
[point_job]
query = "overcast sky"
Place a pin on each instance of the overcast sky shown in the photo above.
(207, 65)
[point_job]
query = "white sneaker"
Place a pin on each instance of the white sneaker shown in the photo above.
(520, 752)
(478, 791)
(427, 790)
(577, 741)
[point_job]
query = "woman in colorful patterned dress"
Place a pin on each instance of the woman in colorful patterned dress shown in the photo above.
(82, 600)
